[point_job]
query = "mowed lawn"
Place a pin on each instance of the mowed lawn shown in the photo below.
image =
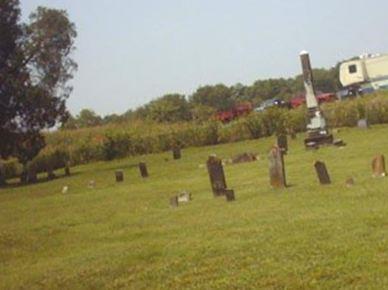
(126, 235)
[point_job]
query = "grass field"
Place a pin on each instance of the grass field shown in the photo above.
(127, 236)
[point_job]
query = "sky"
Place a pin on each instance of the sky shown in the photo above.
(130, 52)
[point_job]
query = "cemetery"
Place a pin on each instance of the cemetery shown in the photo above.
(324, 221)
(193, 190)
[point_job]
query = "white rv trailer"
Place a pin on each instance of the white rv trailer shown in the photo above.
(366, 71)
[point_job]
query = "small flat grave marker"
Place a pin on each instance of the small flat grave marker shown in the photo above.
(184, 197)
(350, 182)
(143, 169)
(322, 173)
(276, 168)
(216, 175)
(378, 166)
(174, 201)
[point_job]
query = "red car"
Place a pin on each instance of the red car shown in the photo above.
(321, 97)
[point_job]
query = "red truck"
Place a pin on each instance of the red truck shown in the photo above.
(321, 97)
(237, 111)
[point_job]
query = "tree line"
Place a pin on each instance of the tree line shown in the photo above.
(210, 99)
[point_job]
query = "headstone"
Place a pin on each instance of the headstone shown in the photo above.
(292, 134)
(216, 175)
(119, 175)
(65, 189)
(176, 153)
(283, 143)
(276, 168)
(184, 197)
(244, 157)
(50, 171)
(229, 193)
(143, 169)
(322, 173)
(91, 184)
(31, 174)
(378, 166)
(349, 182)
(67, 168)
(174, 201)
(3, 179)
(363, 124)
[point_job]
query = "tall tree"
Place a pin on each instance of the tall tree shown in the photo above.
(35, 67)
(219, 97)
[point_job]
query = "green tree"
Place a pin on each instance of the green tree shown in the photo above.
(169, 108)
(88, 118)
(35, 66)
(219, 97)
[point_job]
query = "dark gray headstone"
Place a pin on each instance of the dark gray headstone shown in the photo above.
(143, 169)
(67, 168)
(216, 175)
(283, 143)
(32, 174)
(229, 194)
(322, 173)
(50, 171)
(3, 179)
(378, 166)
(276, 168)
(363, 124)
(174, 201)
(176, 153)
(119, 174)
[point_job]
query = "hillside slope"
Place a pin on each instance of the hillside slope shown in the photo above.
(127, 236)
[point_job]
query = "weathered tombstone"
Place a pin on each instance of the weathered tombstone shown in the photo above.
(229, 193)
(276, 168)
(292, 133)
(50, 171)
(176, 153)
(283, 143)
(3, 179)
(119, 175)
(322, 173)
(216, 175)
(378, 166)
(91, 184)
(184, 197)
(350, 182)
(242, 158)
(174, 201)
(65, 189)
(363, 124)
(31, 174)
(143, 169)
(67, 168)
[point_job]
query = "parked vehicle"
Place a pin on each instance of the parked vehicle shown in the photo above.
(367, 71)
(237, 111)
(321, 97)
(274, 102)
